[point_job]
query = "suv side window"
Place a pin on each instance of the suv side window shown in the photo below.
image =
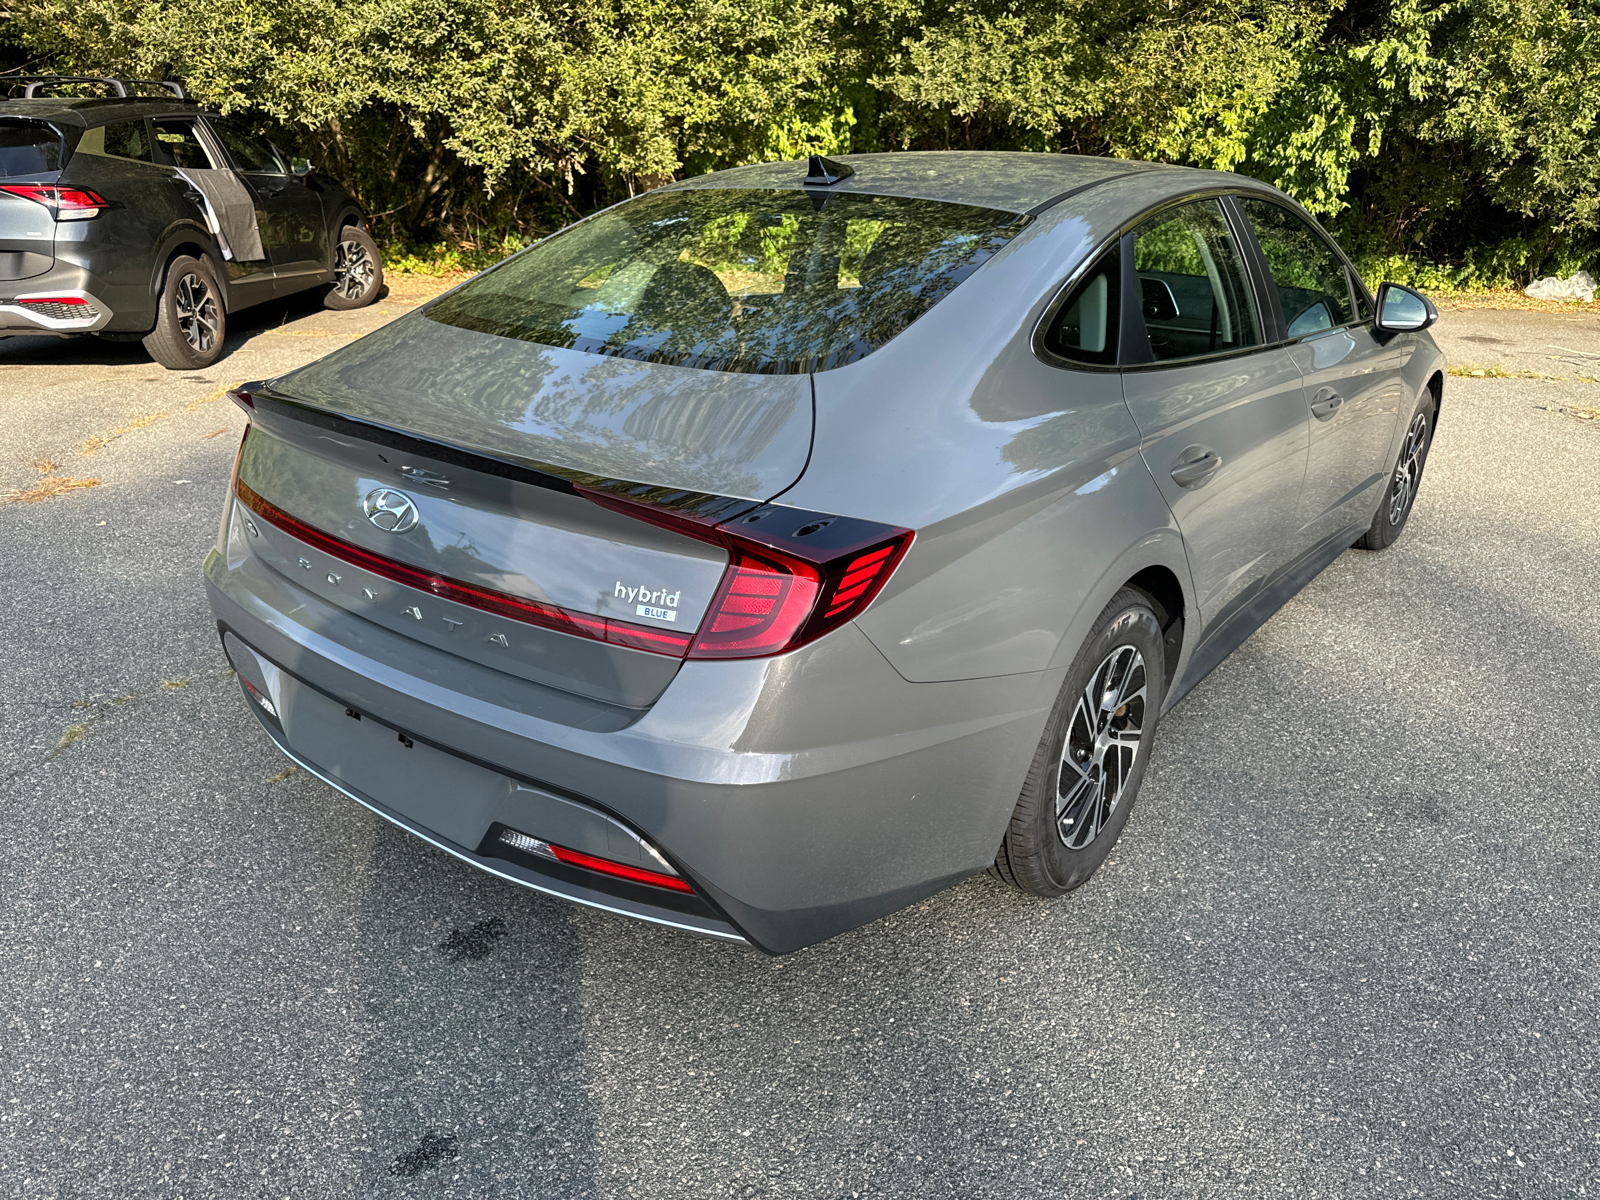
(1085, 330)
(251, 152)
(1193, 289)
(129, 139)
(178, 144)
(120, 139)
(1307, 276)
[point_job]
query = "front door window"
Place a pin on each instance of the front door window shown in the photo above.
(1308, 278)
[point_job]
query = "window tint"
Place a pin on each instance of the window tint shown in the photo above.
(1307, 275)
(251, 151)
(178, 144)
(28, 147)
(127, 139)
(1192, 285)
(1085, 330)
(728, 279)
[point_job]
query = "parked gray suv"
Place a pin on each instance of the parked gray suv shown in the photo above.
(768, 552)
(147, 218)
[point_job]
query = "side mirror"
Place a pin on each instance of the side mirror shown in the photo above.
(300, 166)
(1401, 310)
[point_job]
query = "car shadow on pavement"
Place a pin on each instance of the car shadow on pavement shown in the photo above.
(1344, 948)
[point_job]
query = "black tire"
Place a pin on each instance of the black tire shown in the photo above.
(1400, 497)
(1038, 853)
(190, 320)
(357, 271)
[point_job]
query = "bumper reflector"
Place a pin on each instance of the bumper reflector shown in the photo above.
(576, 858)
(258, 697)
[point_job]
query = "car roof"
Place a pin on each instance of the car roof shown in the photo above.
(1016, 181)
(88, 112)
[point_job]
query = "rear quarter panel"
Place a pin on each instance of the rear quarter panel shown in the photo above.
(123, 247)
(1023, 480)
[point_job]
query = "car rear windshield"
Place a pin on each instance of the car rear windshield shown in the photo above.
(28, 148)
(754, 280)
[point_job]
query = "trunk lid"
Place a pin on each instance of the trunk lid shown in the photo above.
(30, 152)
(727, 434)
(483, 441)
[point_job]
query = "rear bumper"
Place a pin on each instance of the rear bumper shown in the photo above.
(464, 796)
(59, 302)
(801, 796)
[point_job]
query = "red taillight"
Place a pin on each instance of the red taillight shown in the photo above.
(53, 300)
(762, 602)
(576, 858)
(64, 203)
(773, 600)
(531, 612)
(244, 400)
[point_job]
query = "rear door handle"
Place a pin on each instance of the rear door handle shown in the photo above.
(1325, 404)
(1196, 466)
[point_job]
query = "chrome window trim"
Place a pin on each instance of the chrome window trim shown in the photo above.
(1059, 298)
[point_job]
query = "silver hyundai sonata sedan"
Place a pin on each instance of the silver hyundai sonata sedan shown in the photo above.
(770, 551)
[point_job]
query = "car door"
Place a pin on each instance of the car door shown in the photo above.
(292, 219)
(181, 149)
(1221, 414)
(1353, 387)
(119, 161)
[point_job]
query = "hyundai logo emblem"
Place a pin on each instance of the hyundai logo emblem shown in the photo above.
(391, 511)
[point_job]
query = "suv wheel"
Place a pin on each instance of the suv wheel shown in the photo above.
(357, 270)
(1087, 769)
(190, 322)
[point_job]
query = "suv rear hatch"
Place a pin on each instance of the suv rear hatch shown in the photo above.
(31, 152)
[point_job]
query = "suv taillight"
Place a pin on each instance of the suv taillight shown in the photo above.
(780, 590)
(64, 203)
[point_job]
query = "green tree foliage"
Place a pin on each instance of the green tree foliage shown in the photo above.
(1460, 132)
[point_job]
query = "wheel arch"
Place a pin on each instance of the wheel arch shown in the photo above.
(1161, 585)
(193, 243)
(1157, 566)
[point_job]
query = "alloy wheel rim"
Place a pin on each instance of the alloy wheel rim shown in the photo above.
(197, 312)
(1101, 747)
(1409, 472)
(352, 269)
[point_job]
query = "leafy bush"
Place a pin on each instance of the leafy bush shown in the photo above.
(1450, 142)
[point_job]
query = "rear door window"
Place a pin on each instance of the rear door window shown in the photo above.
(734, 279)
(1308, 277)
(1193, 290)
(250, 151)
(178, 144)
(28, 148)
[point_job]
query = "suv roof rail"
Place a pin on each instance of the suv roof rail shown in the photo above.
(123, 88)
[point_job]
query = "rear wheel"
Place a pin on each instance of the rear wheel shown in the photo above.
(190, 322)
(1087, 769)
(357, 270)
(1401, 495)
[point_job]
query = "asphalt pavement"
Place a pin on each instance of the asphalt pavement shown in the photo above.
(1346, 947)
